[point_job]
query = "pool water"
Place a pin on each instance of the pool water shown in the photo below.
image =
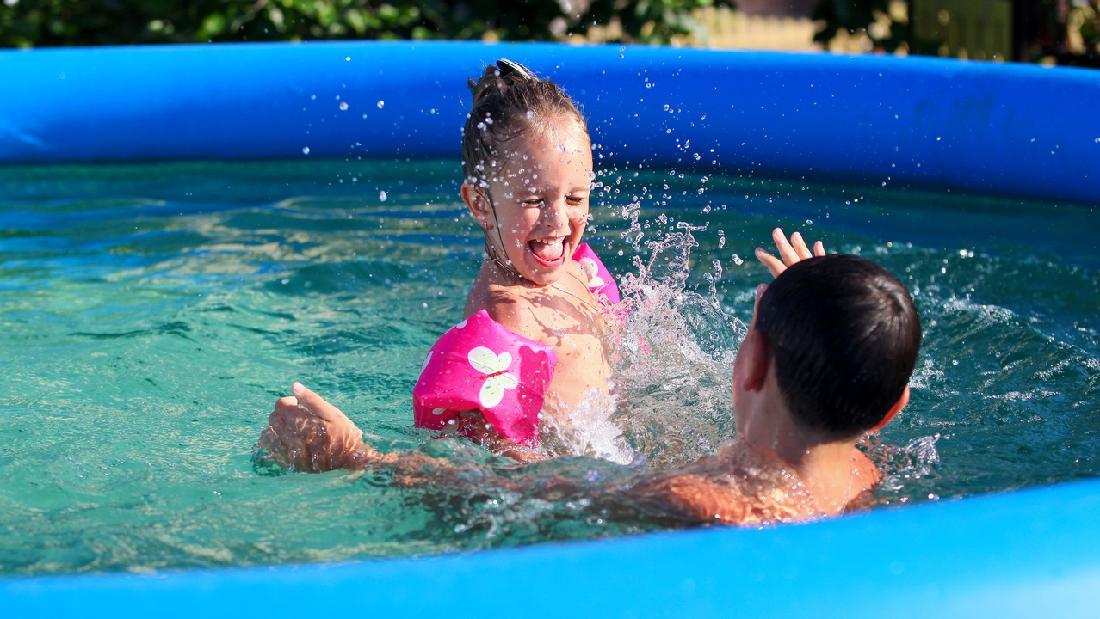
(150, 314)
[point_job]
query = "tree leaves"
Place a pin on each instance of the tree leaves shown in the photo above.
(26, 23)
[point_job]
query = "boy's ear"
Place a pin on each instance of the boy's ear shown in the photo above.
(757, 360)
(756, 350)
(478, 204)
(894, 410)
(760, 289)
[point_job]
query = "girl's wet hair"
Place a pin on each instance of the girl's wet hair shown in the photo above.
(508, 99)
(845, 335)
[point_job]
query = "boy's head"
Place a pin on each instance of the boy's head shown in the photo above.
(527, 160)
(842, 334)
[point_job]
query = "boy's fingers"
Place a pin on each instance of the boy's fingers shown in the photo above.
(786, 252)
(819, 249)
(306, 398)
(314, 403)
(771, 262)
(275, 418)
(799, 245)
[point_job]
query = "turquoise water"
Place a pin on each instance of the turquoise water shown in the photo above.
(150, 315)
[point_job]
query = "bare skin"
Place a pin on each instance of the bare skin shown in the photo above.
(775, 470)
(541, 192)
(825, 475)
(533, 210)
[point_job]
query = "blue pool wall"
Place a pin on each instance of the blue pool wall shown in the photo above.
(1012, 130)
(1025, 554)
(1003, 130)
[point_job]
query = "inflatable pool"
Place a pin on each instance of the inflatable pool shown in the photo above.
(988, 129)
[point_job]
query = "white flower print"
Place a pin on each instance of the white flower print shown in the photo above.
(498, 380)
(590, 269)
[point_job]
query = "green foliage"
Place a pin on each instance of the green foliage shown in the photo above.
(857, 16)
(25, 23)
(1090, 28)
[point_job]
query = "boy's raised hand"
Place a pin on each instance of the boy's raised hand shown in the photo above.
(790, 252)
(308, 434)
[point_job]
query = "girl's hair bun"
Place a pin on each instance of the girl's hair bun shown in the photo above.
(514, 70)
(507, 98)
(499, 77)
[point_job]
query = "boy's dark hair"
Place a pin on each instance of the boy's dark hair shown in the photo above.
(508, 99)
(844, 334)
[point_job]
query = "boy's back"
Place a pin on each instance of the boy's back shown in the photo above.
(826, 360)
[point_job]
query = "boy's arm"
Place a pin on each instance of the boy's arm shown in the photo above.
(308, 434)
(694, 497)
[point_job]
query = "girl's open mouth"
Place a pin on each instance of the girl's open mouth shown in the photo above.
(549, 252)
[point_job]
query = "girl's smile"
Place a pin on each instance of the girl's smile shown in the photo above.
(535, 207)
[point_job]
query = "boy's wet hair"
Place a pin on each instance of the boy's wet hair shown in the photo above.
(508, 99)
(844, 334)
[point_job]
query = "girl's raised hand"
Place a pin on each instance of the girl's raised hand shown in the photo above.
(790, 252)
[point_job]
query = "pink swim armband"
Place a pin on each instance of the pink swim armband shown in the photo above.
(600, 281)
(481, 365)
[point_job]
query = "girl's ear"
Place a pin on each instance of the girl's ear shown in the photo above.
(478, 204)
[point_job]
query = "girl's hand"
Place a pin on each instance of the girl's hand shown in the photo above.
(790, 252)
(308, 434)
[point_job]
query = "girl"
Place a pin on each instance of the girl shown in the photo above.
(531, 351)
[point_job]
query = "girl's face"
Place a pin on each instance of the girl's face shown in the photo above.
(540, 191)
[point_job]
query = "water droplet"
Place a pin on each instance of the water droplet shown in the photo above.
(305, 150)
(381, 104)
(343, 106)
(347, 58)
(382, 196)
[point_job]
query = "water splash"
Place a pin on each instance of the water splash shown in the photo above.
(902, 465)
(592, 431)
(673, 355)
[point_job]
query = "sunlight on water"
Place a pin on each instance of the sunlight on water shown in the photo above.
(151, 314)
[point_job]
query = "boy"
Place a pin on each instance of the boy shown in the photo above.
(827, 359)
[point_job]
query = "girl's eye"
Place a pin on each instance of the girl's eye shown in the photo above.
(574, 200)
(533, 202)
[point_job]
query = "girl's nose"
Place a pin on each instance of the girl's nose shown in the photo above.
(556, 214)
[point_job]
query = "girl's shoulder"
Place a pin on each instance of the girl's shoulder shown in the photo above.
(509, 306)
